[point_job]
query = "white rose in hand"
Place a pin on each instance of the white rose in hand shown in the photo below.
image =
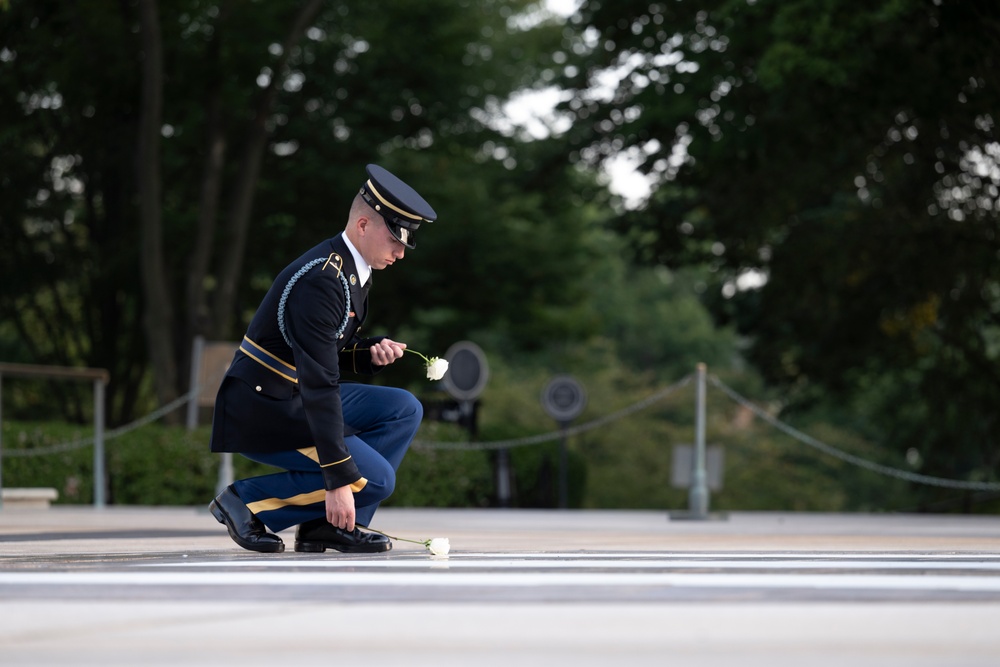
(437, 368)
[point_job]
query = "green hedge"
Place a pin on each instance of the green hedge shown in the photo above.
(161, 465)
(624, 464)
(152, 465)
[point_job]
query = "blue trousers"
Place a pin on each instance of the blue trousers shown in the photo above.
(386, 419)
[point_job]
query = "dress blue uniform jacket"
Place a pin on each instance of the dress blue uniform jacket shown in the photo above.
(282, 391)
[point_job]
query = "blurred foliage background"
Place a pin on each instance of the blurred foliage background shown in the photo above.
(819, 225)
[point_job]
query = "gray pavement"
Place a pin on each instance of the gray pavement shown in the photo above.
(166, 586)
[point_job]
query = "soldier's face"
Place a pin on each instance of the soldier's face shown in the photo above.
(382, 247)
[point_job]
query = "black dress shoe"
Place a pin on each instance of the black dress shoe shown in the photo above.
(243, 525)
(318, 535)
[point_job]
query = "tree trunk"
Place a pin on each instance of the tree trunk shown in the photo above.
(157, 311)
(198, 321)
(241, 203)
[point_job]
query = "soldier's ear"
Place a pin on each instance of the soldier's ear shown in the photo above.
(362, 223)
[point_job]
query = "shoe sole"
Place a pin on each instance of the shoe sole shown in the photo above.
(320, 547)
(221, 517)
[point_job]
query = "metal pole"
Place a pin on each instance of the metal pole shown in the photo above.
(225, 473)
(1, 441)
(698, 495)
(99, 444)
(197, 349)
(502, 466)
(503, 478)
(563, 469)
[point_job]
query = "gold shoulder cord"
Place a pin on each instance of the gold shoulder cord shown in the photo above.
(337, 262)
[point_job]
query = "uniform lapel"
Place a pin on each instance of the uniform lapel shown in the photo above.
(359, 295)
(359, 302)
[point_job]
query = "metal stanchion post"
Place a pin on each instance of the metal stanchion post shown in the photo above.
(197, 349)
(698, 491)
(225, 473)
(698, 495)
(99, 443)
(1, 441)
(563, 467)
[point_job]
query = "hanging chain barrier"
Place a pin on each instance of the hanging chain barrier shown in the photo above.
(851, 458)
(570, 431)
(108, 435)
(555, 435)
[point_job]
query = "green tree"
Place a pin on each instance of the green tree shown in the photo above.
(163, 160)
(846, 151)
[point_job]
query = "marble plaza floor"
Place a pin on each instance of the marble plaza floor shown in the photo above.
(166, 586)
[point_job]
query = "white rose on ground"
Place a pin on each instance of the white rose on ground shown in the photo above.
(439, 546)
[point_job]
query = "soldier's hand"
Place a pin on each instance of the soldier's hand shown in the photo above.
(386, 351)
(340, 507)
